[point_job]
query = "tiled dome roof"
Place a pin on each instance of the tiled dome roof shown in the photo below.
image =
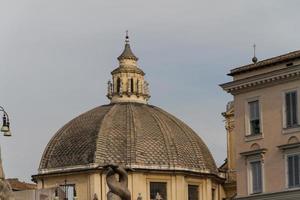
(139, 136)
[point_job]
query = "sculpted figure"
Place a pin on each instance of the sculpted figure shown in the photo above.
(118, 186)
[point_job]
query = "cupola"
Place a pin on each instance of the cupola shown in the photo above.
(128, 83)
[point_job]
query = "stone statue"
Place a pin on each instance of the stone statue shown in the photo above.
(118, 186)
(158, 197)
(95, 197)
(146, 88)
(140, 197)
(109, 88)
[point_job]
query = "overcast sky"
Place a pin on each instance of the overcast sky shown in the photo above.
(56, 57)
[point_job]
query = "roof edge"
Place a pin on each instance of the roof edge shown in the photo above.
(265, 63)
(94, 166)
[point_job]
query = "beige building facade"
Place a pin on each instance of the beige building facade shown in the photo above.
(267, 127)
(165, 158)
(93, 185)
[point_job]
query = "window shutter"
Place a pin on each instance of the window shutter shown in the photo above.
(259, 177)
(291, 181)
(296, 169)
(254, 117)
(291, 109)
(256, 177)
(293, 170)
(294, 108)
(288, 109)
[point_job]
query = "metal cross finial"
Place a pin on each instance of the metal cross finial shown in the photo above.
(127, 37)
(254, 59)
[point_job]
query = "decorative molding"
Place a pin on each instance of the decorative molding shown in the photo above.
(291, 130)
(128, 70)
(285, 147)
(254, 152)
(262, 80)
(289, 57)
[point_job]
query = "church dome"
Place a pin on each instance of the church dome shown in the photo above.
(135, 135)
(127, 132)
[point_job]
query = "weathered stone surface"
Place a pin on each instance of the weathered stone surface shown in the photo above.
(128, 134)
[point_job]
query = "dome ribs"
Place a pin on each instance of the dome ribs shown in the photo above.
(116, 137)
(184, 145)
(101, 146)
(151, 149)
(50, 146)
(131, 149)
(69, 146)
(208, 158)
(171, 151)
(139, 136)
(200, 157)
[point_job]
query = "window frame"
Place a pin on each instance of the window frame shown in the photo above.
(287, 155)
(284, 109)
(250, 176)
(198, 182)
(161, 180)
(247, 117)
(68, 188)
(193, 184)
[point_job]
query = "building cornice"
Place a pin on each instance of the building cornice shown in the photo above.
(92, 167)
(266, 63)
(254, 152)
(128, 70)
(262, 80)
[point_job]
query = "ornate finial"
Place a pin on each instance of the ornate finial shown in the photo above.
(254, 59)
(127, 37)
(127, 53)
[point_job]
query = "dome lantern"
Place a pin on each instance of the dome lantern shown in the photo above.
(128, 84)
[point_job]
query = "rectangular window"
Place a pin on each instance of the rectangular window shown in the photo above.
(293, 170)
(213, 194)
(67, 191)
(291, 109)
(158, 191)
(193, 192)
(256, 175)
(254, 117)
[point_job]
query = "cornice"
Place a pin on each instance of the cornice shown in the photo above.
(289, 57)
(262, 80)
(135, 168)
(128, 70)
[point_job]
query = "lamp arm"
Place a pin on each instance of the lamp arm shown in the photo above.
(2, 109)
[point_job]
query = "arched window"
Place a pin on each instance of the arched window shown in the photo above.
(118, 85)
(131, 85)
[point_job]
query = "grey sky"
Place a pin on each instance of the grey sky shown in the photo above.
(56, 57)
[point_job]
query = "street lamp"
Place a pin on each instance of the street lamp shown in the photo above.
(5, 190)
(5, 129)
